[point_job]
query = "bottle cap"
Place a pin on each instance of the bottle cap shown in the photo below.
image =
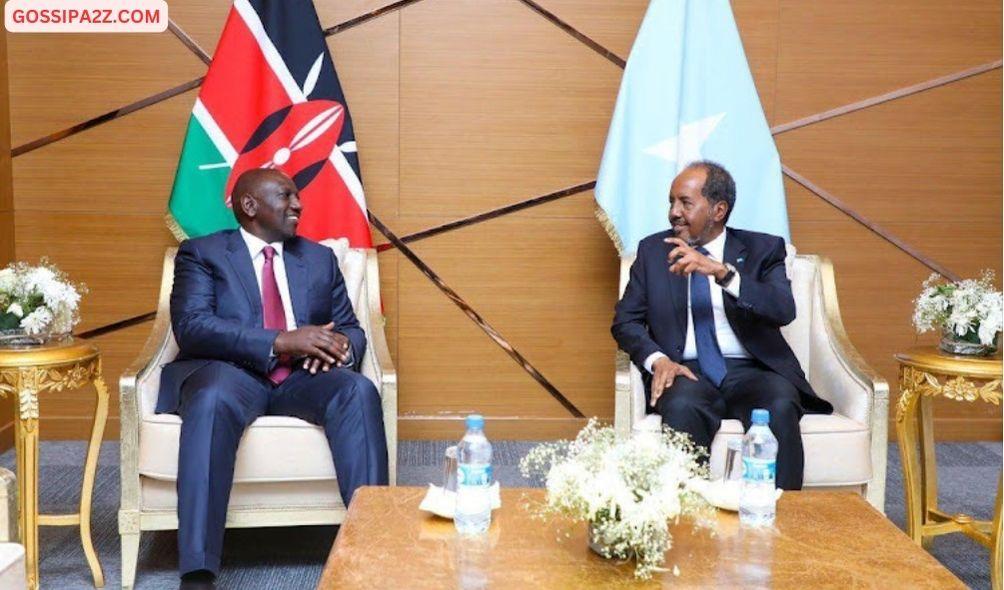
(475, 421)
(760, 416)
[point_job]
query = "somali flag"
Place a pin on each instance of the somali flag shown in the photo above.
(687, 94)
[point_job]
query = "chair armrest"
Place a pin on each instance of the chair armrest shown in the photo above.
(839, 372)
(384, 365)
(131, 384)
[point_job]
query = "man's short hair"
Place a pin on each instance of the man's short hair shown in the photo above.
(718, 186)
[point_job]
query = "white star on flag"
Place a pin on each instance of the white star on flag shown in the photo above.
(685, 147)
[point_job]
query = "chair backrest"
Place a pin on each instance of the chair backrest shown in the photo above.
(353, 264)
(803, 271)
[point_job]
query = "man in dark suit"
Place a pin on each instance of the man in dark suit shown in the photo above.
(264, 326)
(700, 317)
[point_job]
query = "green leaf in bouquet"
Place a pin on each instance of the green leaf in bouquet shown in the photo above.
(9, 321)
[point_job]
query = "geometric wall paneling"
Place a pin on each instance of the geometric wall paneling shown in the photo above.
(497, 103)
(474, 316)
(880, 231)
(758, 23)
(548, 285)
(446, 365)
(611, 24)
(125, 166)
(366, 58)
(336, 12)
(60, 80)
(118, 257)
(906, 160)
(834, 53)
(202, 21)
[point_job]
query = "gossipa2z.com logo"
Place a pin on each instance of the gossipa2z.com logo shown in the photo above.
(85, 16)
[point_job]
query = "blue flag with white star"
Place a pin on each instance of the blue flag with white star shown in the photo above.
(687, 94)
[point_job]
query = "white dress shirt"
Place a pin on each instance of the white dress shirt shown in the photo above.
(727, 340)
(255, 247)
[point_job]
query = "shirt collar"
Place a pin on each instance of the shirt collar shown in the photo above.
(716, 247)
(256, 245)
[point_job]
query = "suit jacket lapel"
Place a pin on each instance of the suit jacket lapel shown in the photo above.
(296, 277)
(240, 259)
(734, 254)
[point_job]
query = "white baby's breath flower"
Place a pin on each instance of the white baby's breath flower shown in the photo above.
(7, 279)
(628, 489)
(37, 321)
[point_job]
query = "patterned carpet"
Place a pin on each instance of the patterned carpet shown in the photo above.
(293, 557)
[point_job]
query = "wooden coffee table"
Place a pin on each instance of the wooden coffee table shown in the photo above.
(821, 539)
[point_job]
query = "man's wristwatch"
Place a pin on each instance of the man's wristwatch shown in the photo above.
(727, 279)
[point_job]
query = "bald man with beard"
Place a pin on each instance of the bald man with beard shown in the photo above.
(265, 327)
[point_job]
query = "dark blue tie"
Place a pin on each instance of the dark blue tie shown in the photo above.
(709, 356)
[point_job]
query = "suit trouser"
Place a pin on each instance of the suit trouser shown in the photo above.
(219, 401)
(698, 408)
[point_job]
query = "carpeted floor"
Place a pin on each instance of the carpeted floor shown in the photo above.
(293, 557)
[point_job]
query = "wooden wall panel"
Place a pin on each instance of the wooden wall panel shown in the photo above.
(611, 24)
(615, 24)
(60, 80)
(487, 120)
(462, 106)
(124, 167)
(833, 53)
(551, 293)
(368, 68)
(119, 257)
(921, 159)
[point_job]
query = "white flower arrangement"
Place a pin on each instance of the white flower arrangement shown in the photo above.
(970, 309)
(628, 489)
(38, 299)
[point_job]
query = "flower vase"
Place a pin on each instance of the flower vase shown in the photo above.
(968, 345)
(18, 338)
(599, 547)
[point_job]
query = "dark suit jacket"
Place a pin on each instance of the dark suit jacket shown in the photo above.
(652, 315)
(216, 310)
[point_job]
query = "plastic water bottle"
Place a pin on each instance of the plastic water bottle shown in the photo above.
(757, 499)
(473, 512)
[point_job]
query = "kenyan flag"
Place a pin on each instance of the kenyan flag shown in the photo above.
(271, 99)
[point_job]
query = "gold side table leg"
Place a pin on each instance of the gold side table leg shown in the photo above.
(90, 470)
(907, 432)
(929, 465)
(996, 559)
(27, 475)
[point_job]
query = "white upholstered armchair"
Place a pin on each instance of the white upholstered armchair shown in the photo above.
(272, 485)
(845, 450)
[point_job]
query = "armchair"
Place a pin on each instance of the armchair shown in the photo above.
(845, 450)
(271, 488)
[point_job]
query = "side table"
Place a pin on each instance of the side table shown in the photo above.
(925, 373)
(25, 374)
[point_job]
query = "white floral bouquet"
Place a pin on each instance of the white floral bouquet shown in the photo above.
(38, 299)
(971, 310)
(629, 490)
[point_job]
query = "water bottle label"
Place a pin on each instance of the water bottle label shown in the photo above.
(474, 475)
(759, 470)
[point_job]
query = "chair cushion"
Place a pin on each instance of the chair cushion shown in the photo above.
(284, 495)
(837, 449)
(273, 449)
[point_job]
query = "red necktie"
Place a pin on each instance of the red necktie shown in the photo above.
(275, 316)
